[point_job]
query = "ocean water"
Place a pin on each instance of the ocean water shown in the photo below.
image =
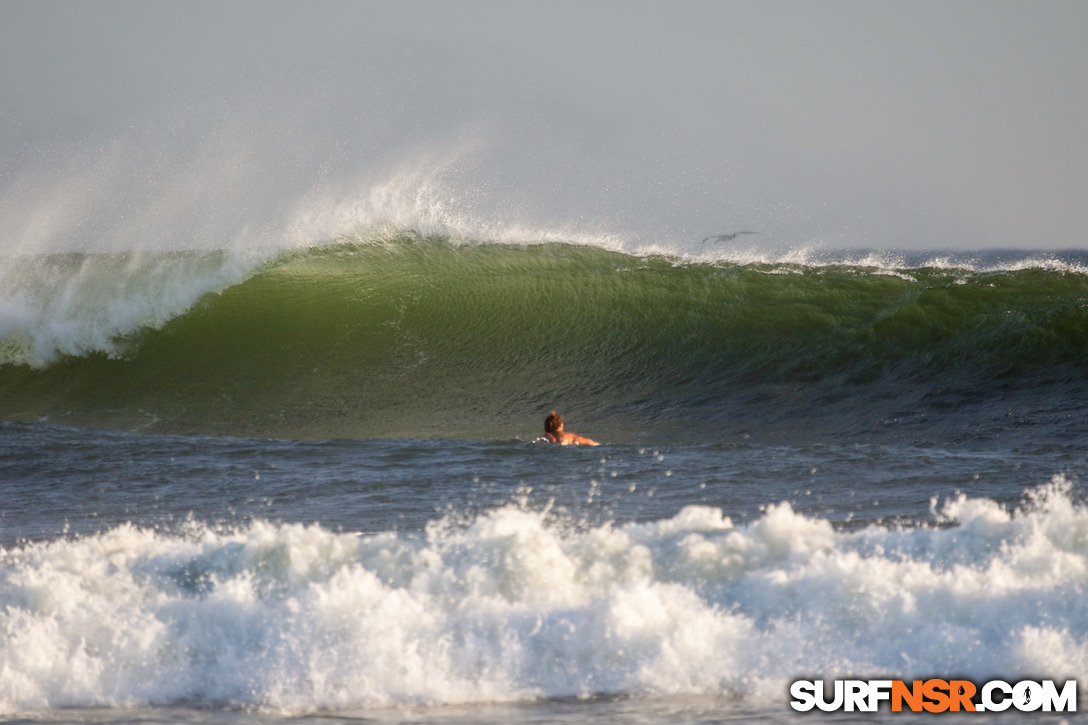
(267, 485)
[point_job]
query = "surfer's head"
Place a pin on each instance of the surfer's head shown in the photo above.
(553, 423)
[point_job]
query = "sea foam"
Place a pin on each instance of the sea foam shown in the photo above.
(518, 604)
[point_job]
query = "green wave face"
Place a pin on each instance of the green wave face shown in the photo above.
(428, 338)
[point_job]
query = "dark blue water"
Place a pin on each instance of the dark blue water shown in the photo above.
(81, 481)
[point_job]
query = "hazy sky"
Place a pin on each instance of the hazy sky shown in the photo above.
(918, 124)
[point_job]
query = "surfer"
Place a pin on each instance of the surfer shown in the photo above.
(554, 433)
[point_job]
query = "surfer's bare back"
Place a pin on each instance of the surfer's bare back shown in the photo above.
(554, 433)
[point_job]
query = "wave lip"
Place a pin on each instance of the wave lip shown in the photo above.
(517, 605)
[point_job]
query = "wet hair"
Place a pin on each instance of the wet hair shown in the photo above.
(553, 422)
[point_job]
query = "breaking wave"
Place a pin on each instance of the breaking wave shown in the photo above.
(402, 334)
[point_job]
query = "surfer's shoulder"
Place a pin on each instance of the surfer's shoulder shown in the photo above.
(573, 439)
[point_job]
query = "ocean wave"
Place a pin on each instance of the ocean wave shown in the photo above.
(406, 335)
(516, 603)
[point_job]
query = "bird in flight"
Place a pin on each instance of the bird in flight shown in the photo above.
(725, 237)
